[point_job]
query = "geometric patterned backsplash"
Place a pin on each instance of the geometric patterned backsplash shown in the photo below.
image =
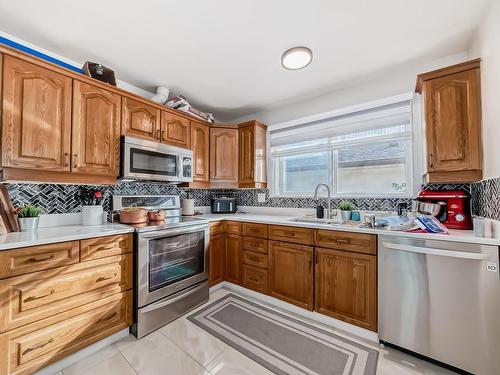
(56, 198)
(486, 198)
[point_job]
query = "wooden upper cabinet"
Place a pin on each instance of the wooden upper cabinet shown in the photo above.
(96, 130)
(200, 144)
(252, 155)
(140, 119)
(224, 157)
(346, 286)
(36, 117)
(452, 112)
(175, 130)
(290, 270)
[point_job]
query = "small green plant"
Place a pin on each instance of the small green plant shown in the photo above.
(28, 211)
(345, 206)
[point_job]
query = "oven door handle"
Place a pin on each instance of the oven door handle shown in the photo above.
(159, 305)
(173, 232)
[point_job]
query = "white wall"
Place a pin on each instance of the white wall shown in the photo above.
(486, 45)
(384, 84)
(119, 83)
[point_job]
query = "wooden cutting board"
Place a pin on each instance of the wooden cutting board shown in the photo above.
(7, 211)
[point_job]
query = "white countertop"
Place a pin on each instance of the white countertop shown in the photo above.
(63, 233)
(454, 235)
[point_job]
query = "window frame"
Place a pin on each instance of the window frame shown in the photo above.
(412, 156)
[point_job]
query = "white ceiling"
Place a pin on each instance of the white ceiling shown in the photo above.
(224, 55)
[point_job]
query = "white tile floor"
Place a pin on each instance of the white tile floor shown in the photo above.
(182, 348)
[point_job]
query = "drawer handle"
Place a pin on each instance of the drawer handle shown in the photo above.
(106, 247)
(253, 279)
(109, 317)
(291, 234)
(29, 299)
(35, 260)
(342, 240)
(38, 346)
(255, 259)
(102, 278)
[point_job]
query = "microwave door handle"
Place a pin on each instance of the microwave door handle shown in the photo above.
(179, 169)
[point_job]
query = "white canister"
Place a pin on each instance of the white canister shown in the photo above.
(188, 207)
(92, 215)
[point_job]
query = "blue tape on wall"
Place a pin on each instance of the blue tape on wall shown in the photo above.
(43, 56)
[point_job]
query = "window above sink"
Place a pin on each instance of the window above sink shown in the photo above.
(363, 154)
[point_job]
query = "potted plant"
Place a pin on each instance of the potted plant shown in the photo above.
(28, 217)
(345, 210)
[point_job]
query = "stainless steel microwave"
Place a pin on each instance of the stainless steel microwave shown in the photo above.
(147, 160)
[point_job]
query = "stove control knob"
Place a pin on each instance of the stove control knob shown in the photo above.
(459, 217)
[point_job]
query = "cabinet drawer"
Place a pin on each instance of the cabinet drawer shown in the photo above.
(37, 258)
(291, 234)
(29, 298)
(255, 230)
(216, 228)
(102, 247)
(31, 347)
(255, 244)
(255, 259)
(233, 227)
(255, 278)
(355, 242)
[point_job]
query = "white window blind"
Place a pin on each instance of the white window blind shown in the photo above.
(366, 153)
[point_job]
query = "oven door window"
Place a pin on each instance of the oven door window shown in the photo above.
(154, 163)
(172, 259)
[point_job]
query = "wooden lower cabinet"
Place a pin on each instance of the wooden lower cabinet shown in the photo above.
(59, 298)
(216, 259)
(255, 278)
(233, 259)
(96, 248)
(37, 258)
(346, 286)
(290, 268)
(34, 296)
(33, 346)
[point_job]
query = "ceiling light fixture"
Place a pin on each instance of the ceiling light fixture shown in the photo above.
(296, 58)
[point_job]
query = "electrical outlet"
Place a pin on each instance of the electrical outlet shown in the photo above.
(261, 197)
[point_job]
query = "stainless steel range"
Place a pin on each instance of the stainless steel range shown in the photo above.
(171, 275)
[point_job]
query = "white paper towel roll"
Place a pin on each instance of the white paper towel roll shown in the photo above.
(188, 207)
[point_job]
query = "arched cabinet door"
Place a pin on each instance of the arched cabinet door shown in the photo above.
(200, 143)
(140, 120)
(36, 117)
(224, 157)
(96, 130)
(175, 130)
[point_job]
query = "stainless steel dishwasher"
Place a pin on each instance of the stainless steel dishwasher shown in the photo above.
(441, 299)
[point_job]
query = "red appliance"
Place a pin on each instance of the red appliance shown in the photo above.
(455, 212)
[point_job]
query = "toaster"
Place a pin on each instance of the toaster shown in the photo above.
(224, 205)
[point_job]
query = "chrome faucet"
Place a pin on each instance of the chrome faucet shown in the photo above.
(329, 203)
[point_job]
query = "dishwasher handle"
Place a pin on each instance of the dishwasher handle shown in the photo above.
(439, 252)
